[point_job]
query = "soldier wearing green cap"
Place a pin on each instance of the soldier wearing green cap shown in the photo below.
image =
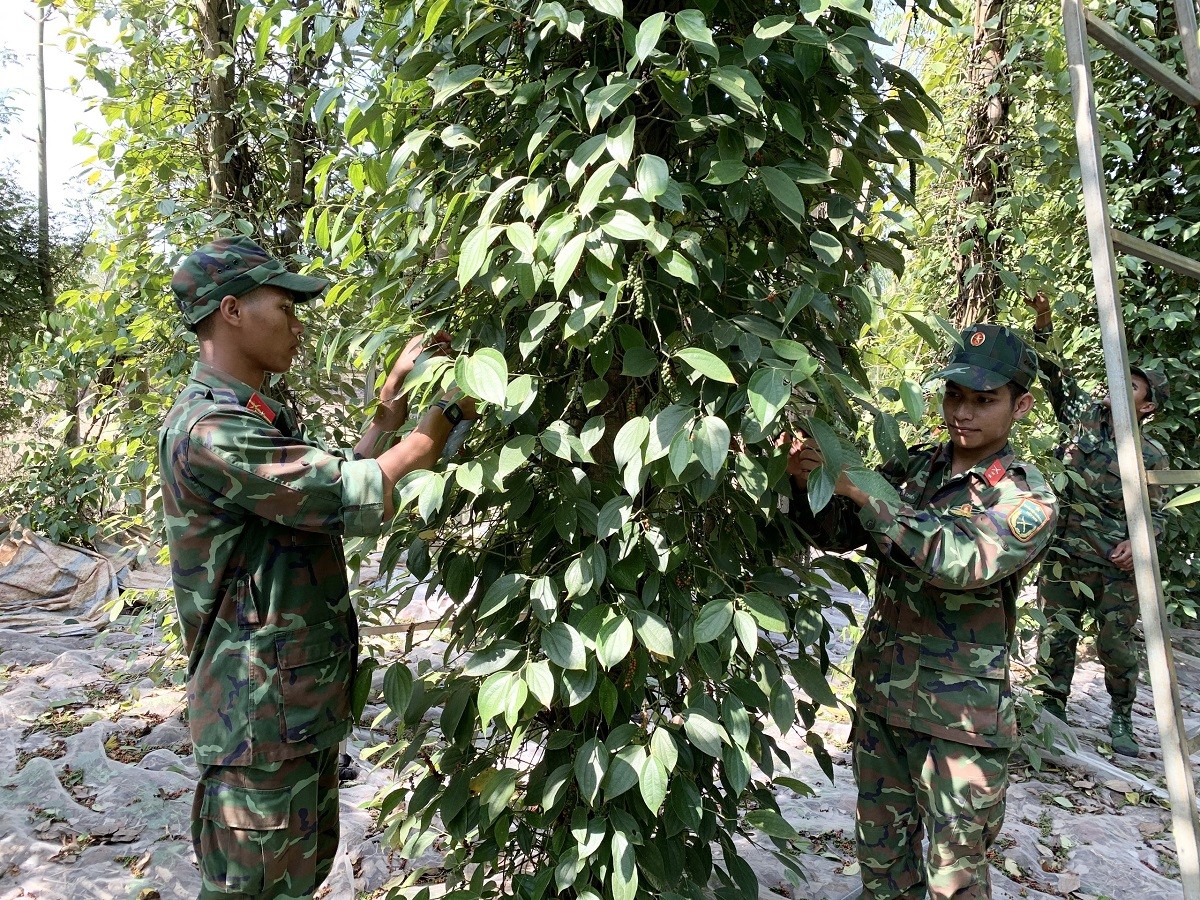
(934, 721)
(1090, 565)
(255, 511)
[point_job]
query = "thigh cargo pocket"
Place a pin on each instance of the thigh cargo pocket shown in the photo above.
(314, 676)
(959, 685)
(237, 829)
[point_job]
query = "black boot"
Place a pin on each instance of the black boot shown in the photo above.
(347, 770)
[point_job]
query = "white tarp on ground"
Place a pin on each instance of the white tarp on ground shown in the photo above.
(43, 583)
(54, 588)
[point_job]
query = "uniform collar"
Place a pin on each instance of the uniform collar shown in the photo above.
(989, 470)
(246, 396)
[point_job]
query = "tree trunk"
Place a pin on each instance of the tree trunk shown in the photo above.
(68, 388)
(901, 41)
(979, 244)
(303, 80)
(216, 20)
(43, 260)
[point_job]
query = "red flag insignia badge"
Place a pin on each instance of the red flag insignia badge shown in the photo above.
(994, 473)
(257, 404)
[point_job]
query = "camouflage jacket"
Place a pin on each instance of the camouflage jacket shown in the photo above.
(254, 512)
(934, 654)
(1092, 505)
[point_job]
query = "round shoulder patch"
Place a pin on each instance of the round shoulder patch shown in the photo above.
(1026, 519)
(978, 338)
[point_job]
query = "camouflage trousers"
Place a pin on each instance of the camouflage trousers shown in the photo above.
(267, 831)
(1114, 608)
(912, 786)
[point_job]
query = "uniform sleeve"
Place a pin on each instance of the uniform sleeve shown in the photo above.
(255, 467)
(836, 527)
(1068, 399)
(953, 552)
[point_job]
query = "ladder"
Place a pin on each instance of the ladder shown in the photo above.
(1079, 24)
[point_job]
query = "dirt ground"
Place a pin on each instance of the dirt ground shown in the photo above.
(96, 779)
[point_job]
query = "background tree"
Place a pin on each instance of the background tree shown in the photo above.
(43, 258)
(23, 301)
(119, 332)
(986, 173)
(970, 199)
(37, 254)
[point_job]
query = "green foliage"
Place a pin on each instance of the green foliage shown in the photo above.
(91, 386)
(644, 228)
(89, 454)
(23, 307)
(19, 279)
(1036, 224)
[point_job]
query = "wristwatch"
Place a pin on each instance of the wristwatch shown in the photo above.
(451, 411)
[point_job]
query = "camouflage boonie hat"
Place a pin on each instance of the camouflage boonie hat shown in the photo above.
(990, 357)
(1160, 391)
(233, 266)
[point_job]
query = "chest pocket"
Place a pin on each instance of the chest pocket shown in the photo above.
(313, 678)
(959, 685)
(1113, 473)
(311, 559)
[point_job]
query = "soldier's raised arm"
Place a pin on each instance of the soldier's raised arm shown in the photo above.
(1068, 399)
(952, 551)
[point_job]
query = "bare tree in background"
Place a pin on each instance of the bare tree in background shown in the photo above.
(236, 161)
(43, 260)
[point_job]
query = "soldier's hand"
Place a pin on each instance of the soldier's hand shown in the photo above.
(407, 360)
(803, 456)
(1122, 556)
(1040, 304)
(393, 402)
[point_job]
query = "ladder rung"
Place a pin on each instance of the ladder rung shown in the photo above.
(399, 628)
(1104, 35)
(1152, 253)
(1172, 476)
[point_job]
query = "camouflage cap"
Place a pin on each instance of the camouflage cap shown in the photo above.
(991, 356)
(1160, 391)
(233, 266)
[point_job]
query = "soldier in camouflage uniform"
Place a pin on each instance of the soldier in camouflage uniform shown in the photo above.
(255, 511)
(1091, 552)
(934, 722)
